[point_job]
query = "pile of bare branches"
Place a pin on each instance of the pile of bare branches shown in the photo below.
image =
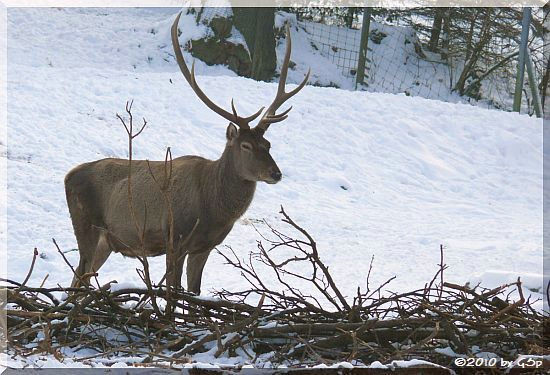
(277, 322)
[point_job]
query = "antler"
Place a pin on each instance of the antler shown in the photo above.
(269, 116)
(241, 122)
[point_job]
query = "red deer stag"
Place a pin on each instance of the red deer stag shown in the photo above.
(216, 193)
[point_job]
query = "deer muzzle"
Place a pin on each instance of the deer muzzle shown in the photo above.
(276, 176)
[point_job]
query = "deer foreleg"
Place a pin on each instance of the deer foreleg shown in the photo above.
(195, 266)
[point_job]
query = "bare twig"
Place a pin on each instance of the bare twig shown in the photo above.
(35, 254)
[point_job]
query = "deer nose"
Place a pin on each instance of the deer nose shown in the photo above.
(276, 175)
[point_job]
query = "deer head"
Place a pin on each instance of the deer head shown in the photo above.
(246, 147)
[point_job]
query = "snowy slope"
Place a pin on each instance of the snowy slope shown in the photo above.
(417, 173)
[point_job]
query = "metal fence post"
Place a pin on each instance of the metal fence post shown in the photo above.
(360, 78)
(521, 61)
(533, 85)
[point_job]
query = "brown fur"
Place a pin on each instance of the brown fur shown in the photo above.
(216, 192)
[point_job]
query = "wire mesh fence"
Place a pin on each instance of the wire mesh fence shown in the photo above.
(338, 43)
(396, 62)
(399, 59)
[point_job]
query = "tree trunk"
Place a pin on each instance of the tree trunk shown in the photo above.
(436, 29)
(546, 55)
(470, 64)
(257, 26)
(470, 36)
(446, 30)
(349, 17)
(544, 82)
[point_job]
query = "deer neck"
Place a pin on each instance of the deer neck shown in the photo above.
(234, 193)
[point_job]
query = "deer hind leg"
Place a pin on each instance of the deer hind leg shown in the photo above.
(174, 268)
(86, 245)
(102, 252)
(91, 261)
(85, 218)
(195, 266)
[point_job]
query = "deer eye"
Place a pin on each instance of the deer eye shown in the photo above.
(246, 146)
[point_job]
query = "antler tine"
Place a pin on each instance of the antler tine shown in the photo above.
(246, 119)
(270, 117)
(241, 122)
(286, 61)
(279, 117)
(233, 108)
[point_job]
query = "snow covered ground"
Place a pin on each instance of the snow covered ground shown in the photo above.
(366, 174)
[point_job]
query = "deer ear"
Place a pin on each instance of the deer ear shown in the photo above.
(232, 132)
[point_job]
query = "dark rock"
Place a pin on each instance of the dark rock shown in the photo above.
(214, 52)
(222, 27)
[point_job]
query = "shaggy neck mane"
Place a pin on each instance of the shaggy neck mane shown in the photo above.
(233, 193)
